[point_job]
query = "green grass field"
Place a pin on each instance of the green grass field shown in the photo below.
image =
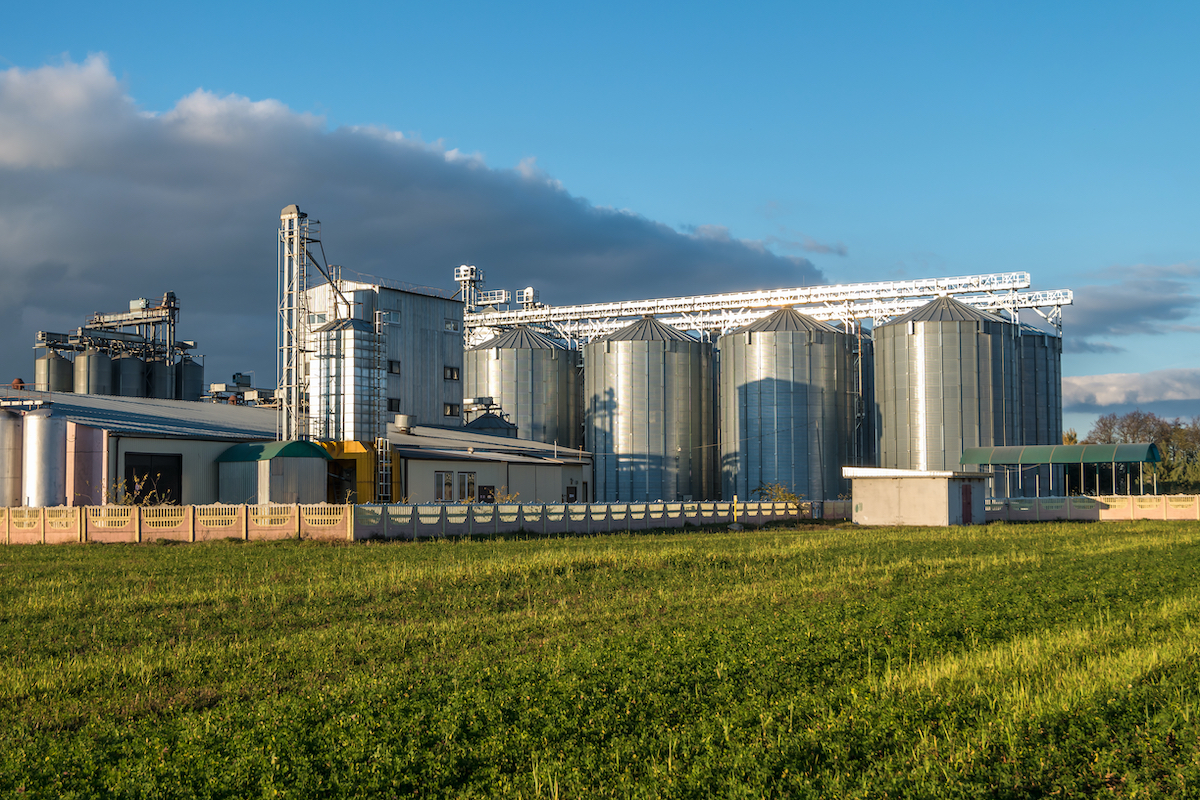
(999, 661)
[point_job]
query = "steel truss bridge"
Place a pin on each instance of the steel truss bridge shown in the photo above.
(715, 314)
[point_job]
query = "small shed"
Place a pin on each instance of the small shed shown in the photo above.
(273, 472)
(917, 497)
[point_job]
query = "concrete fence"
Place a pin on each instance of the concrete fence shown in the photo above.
(1127, 507)
(132, 524)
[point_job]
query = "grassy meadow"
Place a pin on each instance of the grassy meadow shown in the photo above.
(1002, 661)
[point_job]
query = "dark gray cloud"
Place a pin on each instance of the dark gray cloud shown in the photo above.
(1142, 299)
(101, 202)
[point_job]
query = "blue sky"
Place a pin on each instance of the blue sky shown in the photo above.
(857, 141)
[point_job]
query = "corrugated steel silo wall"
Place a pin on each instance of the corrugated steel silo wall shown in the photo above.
(866, 445)
(93, 372)
(537, 388)
(1041, 408)
(787, 412)
(44, 460)
(53, 373)
(649, 419)
(10, 459)
(945, 386)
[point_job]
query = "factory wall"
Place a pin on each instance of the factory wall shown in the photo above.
(423, 346)
(197, 460)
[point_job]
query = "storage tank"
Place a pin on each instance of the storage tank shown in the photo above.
(53, 373)
(93, 372)
(1041, 407)
(786, 405)
(649, 419)
(129, 376)
(160, 379)
(10, 459)
(189, 379)
(44, 460)
(947, 377)
(535, 381)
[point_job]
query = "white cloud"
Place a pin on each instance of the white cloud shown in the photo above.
(1122, 389)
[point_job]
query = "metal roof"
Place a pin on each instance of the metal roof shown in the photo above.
(945, 309)
(887, 472)
(138, 416)
(1142, 452)
(648, 329)
(787, 319)
(267, 450)
(521, 338)
(431, 454)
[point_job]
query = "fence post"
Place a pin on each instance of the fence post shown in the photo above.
(350, 521)
(191, 515)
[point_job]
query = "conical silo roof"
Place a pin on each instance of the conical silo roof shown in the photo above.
(521, 338)
(648, 329)
(945, 309)
(787, 319)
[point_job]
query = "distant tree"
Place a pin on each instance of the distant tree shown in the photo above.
(1070, 436)
(1178, 442)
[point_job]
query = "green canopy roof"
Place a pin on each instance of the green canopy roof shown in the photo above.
(265, 451)
(1143, 452)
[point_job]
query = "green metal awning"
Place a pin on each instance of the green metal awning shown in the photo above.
(1143, 452)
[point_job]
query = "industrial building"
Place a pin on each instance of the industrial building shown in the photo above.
(398, 392)
(83, 449)
(897, 374)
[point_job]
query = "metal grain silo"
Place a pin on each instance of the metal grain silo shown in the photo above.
(160, 379)
(535, 381)
(129, 376)
(10, 458)
(786, 406)
(93, 372)
(44, 460)
(53, 373)
(649, 417)
(189, 379)
(947, 377)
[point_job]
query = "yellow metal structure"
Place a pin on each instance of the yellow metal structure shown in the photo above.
(362, 454)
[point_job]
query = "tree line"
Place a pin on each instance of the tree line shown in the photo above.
(1178, 442)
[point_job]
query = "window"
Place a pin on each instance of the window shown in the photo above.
(389, 317)
(452, 325)
(450, 410)
(450, 373)
(466, 487)
(394, 405)
(394, 367)
(443, 487)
